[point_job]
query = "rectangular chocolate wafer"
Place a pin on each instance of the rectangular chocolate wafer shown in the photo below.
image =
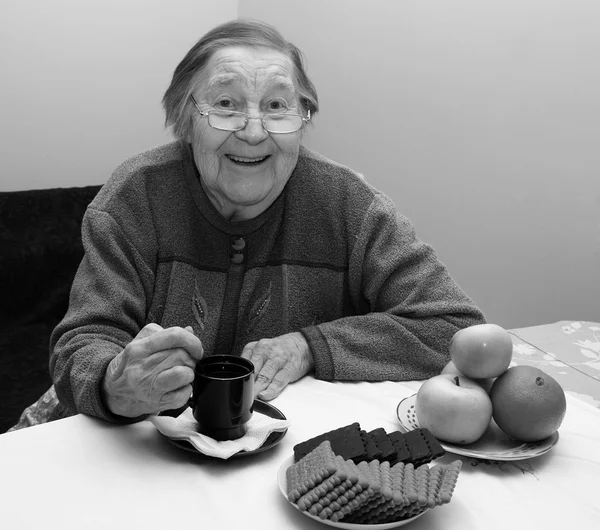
(418, 447)
(383, 443)
(345, 441)
(434, 445)
(372, 451)
(399, 443)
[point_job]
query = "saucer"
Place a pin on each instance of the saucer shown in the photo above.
(493, 445)
(272, 440)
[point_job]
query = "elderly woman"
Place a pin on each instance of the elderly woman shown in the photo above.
(237, 239)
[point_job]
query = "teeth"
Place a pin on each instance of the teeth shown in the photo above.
(246, 160)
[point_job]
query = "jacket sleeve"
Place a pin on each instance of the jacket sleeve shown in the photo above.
(107, 308)
(409, 307)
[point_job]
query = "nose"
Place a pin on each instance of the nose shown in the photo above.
(254, 132)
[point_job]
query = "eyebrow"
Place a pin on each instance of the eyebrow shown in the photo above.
(285, 83)
(222, 80)
(226, 79)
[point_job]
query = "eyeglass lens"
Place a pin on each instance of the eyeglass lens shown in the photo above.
(278, 123)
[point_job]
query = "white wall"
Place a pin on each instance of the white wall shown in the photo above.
(481, 119)
(82, 82)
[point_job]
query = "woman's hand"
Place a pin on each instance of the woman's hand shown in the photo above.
(277, 362)
(154, 372)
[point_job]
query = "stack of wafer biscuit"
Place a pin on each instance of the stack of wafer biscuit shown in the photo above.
(353, 443)
(329, 486)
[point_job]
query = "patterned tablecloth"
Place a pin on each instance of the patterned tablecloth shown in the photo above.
(568, 351)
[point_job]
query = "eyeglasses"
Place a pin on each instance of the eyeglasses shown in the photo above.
(226, 120)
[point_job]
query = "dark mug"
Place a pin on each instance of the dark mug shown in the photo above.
(223, 396)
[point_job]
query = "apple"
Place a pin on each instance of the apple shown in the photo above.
(487, 383)
(454, 408)
(451, 368)
(482, 351)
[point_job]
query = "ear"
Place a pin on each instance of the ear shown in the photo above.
(189, 131)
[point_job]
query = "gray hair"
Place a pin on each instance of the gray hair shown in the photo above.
(234, 33)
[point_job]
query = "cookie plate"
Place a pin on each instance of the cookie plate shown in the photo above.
(282, 482)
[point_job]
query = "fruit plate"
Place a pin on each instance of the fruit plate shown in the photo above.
(282, 481)
(493, 445)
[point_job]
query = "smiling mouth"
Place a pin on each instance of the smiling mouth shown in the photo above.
(244, 161)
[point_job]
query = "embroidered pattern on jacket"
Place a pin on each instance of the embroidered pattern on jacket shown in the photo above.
(199, 307)
(259, 309)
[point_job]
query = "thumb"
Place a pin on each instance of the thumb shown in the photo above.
(190, 329)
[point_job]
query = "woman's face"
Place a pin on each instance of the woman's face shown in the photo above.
(243, 172)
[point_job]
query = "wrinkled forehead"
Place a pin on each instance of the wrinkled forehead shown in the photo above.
(251, 68)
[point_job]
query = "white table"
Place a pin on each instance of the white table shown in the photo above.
(82, 473)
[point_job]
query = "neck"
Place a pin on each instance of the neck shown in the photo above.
(234, 212)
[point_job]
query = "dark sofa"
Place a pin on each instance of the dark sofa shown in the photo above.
(40, 250)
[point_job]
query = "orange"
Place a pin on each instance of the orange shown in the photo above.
(527, 403)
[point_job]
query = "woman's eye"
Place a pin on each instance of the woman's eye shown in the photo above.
(277, 105)
(224, 104)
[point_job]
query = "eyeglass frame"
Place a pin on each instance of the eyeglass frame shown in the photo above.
(206, 113)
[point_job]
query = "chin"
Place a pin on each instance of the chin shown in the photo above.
(252, 192)
(247, 198)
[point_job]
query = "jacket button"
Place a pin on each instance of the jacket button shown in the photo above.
(236, 258)
(238, 243)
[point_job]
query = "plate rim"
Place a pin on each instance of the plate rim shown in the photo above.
(545, 445)
(260, 406)
(282, 483)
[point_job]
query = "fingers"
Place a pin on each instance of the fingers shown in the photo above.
(176, 338)
(274, 389)
(248, 352)
(264, 376)
(165, 359)
(272, 362)
(267, 361)
(149, 329)
(272, 379)
(278, 362)
(153, 372)
(119, 363)
(174, 378)
(257, 353)
(166, 339)
(176, 398)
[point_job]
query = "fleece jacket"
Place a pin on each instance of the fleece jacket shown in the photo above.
(330, 258)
